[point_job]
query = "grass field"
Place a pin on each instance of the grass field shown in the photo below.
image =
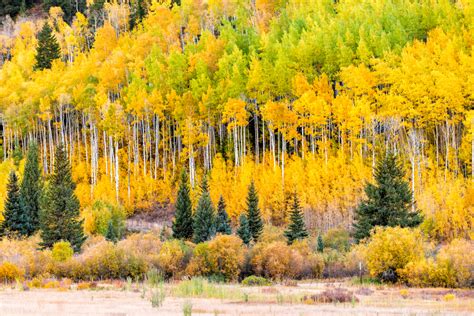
(198, 297)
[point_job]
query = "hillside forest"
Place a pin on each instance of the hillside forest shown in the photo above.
(297, 99)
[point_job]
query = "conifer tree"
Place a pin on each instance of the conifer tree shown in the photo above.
(388, 201)
(48, 48)
(13, 224)
(204, 224)
(31, 190)
(320, 243)
(244, 230)
(183, 220)
(297, 228)
(111, 233)
(222, 219)
(59, 216)
(253, 213)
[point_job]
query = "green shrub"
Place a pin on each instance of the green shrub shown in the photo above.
(254, 280)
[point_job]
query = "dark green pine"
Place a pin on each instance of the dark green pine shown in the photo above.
(253, 213)
(111, 233)
(389, 201)
(48, 48)
(13, 224)
(320, 244)
(222, 219)
(183, 220)
(244, 230)
(59, 216)
(31, 190)
(204, 223)
(297, 228)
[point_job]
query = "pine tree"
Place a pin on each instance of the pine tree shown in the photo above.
(48, 48)
(320, 243)
(244, 230)
(297, 228)
(14, 218)
(204, 224)
(59, 216)
(253, 213)
(111, 233)
(222, 219)
(31, 190)
(183, 221)
(388, 201)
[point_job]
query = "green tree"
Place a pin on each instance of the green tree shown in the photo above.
(183, 220)
(253, 213)
(48, 48)
(222, 219)
(31, 190)
(14, 218)
(70, 8)
(320, 243)
(388, 201)
(59, 216)
(204, 224)
(297, 228)
(244, 230)
(111, 233)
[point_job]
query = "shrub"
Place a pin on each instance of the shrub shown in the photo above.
(62, 251)
(337, 295)
(338, 239)
(272, 260)
(97, 218)
(456, 258)
(226, 256)
(10, 272)
(390, 249)
(172, 257)
(201, 263)
(256, 281)
(143, 246)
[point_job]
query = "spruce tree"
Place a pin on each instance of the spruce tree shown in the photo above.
(388, 201)
(222, 219)
(111, 233)
(297, 228)
(183, 220)
(14, 218)
(59, 216)
(320, 243)
(253, 213)
(204, 223)
(48, 48)
(31, 190)
(244, 230)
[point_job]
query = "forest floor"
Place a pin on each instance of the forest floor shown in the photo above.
(233, 299)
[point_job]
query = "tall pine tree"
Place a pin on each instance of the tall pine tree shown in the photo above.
(253, 213)
(388, 201)
(204, 224)
(31, 190)
(14, 218)
(244, 230)
(48, 48)
(183, 220)
(59, 216)
(222, 219)
(297, 229)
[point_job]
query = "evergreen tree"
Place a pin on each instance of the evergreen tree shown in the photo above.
(30, 191)
(59, 216)
(204, 224)
(48, 48)
(253, 213)
(14, 218)
(111, 233)
(320, 243)
(222, 219)
(70, 8)
(388, 201)
(244, 230)
(183, 220)
(297, 228)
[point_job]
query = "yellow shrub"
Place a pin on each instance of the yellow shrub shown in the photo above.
(201, 263)
(226, 256)
(62, 251)
(144, 246)
(10, 272)
(272, 260)
(390, 249)
(457, 258)
(172, 257)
